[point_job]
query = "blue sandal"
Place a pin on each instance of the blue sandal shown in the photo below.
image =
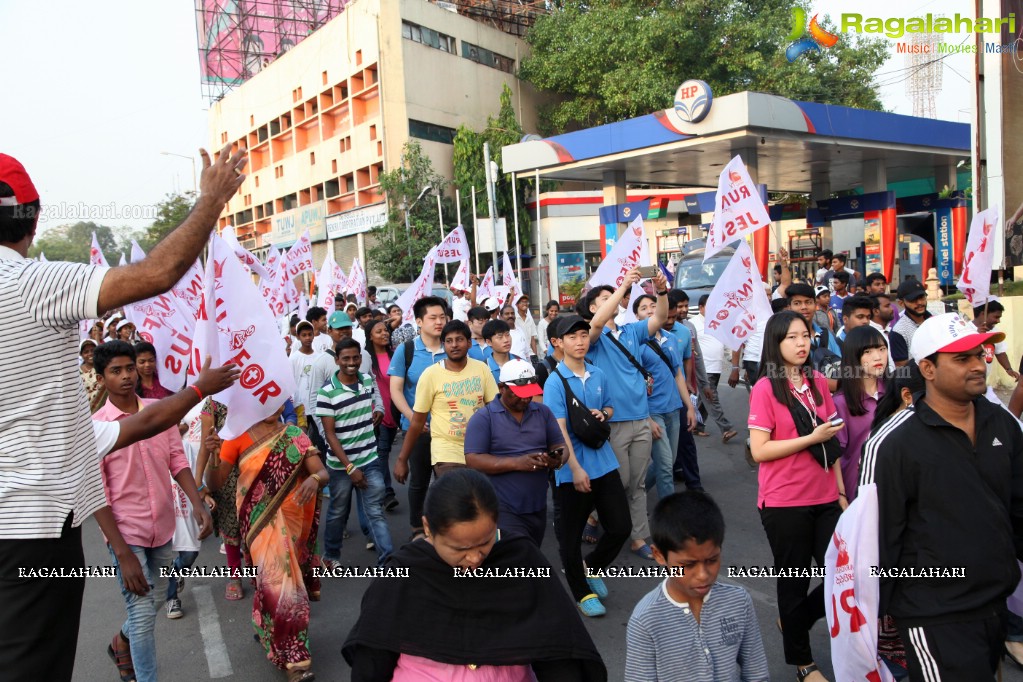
(643, 552)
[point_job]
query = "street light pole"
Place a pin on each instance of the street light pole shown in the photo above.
(408, 228)
(195, 187)
(491, 205)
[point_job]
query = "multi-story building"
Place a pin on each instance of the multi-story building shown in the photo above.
(325, 119)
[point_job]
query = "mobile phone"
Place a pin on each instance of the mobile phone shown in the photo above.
(556, 452)
(837, 421)
(648, 271)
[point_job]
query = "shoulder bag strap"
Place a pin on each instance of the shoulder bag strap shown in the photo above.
(623, 349)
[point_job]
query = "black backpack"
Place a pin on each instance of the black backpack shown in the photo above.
(823, 360)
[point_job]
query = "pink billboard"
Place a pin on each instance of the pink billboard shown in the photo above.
(238, 38)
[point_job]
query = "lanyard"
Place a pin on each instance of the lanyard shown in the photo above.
(812, 408)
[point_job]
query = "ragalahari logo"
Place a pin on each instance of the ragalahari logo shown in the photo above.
(817, 39)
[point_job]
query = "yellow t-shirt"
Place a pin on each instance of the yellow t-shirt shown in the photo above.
(452, 398)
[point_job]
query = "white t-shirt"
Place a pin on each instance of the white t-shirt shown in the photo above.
(754, 343)
(321, 343)
(541, 338)
(713, 350)
(526, 326)
(460, 309)
(106, 436)
(520, 346)
(301, 368)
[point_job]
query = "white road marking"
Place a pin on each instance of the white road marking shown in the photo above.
(755, 592)
(212, 638)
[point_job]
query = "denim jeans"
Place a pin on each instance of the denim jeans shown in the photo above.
(662, 454)
(142, 610)
(385, 439)
(370, 500)
(184, 560)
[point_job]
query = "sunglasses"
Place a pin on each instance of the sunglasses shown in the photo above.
(526, 381)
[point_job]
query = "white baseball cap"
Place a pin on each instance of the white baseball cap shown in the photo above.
(948, 333)
(520, 377)
(490, 304)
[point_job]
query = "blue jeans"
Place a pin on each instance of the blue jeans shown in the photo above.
(370, 500)
(385, 439)
(139, 628)
(662, 454)
(184, 560)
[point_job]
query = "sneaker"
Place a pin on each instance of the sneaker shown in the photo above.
(174, 609)
(591, 606)
(331, 564)
(390, 503)
(181, 583)
(597, 585)
(371, 545)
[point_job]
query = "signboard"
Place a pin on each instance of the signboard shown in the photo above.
(356, 221)
(288, 226)
(693, 100)
(872, 245)
(943, 244)
(571, 274)
(485, 233)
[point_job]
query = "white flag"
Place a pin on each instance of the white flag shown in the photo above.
(42, 257)
(95, 254)
(122, 261)
(501, 294)
(738, 300)
(630, 251)
(634, 294)
(486, 287)
(300, 256)
(231, 329)
(423, 286)
(326, 285)
(454, 247)
(461, 278)
(137, 253)
(975, 281)
(303, 305)
(189, 289)
(738, 208)
(509, 279)
(251, 262)
(357, 283)
(272, 256)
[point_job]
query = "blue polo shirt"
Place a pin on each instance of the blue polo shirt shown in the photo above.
(593, 391)
(421, 359)
(832, 340)
(494, 431)
(684, 343)
(626, 384)
(477, 352)
(488, 357)
(665, 398)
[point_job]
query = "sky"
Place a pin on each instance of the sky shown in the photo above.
(102, 89)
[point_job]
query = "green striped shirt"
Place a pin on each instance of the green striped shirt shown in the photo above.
(352, 409)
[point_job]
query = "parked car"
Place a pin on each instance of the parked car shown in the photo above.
(696, 277)
(389, 293)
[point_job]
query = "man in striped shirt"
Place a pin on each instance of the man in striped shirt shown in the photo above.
(349, 406)
(50, 479)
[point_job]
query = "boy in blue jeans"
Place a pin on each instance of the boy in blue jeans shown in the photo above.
(678, 632)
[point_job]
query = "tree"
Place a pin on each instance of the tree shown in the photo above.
(170, 213)
(610, 61)
(72, 243)
(396, 254)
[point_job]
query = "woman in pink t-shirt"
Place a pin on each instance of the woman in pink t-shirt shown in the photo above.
(798, 498)
(379, 350)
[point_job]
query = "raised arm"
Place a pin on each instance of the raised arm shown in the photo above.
(171, 258)
(609, 307)
(660, 316)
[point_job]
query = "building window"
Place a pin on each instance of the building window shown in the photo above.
(430, 131)
(482, 55)
(427, 36)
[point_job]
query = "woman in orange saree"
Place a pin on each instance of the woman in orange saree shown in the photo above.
(279, 478)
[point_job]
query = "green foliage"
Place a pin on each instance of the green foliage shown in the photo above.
(470, 171)
(170, 213)
(394, 254)
(614, 60)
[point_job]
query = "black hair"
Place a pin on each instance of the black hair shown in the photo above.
(456, 327)
(392, 306)
(507, 306)
(703, 299)
(295, 319)
(493, 328)
(777, 268)
(772, 364)
(304, 324)
(478, 312)
(676, 296)
(779, 304)
(345, 344)
(18, 221)
(551, 304)
(842, 276)
(389, 348)
(826, 253)
(371, 291)
(875, 299)
(800, 289)
(639, 299)
(992, 307)
(583, 307)
(856, 303)
(364, 310)
(873, 277)
(314, 313)
(459, 496)
(144, 347)
(839, 256)
(682, 517)
(420, 306)
(106, 352)
(907, 376)
(857, 342)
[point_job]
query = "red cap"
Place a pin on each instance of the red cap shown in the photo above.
(14, 174)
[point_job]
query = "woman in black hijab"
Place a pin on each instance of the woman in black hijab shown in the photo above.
(457, 610)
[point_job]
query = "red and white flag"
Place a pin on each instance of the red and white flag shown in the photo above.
(42, 258)
(461, 279)
(509, 279)
(357, 283)
(738, 300)
(422, 287)
(300, 256)
(975, 281)
(454, 248)
(96, 254)
(272, 256)
(486, 287)
(232, 330)
(630, 251)
(189, 289)
(303, 304)
(738, 208)
(326, 285)
(251, 262)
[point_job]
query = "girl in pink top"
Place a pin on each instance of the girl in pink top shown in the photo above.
(798, 498)
(380, 350)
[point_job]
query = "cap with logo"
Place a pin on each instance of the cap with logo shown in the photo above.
(14, 175)
(339, 320)
(910, 290)
(567, 325)
(948, 333)
(490, 304)
(520, 378)
(821, 290)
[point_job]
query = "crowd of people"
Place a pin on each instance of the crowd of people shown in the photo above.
(598, 410)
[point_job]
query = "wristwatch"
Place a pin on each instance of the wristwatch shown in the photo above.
(606, 415)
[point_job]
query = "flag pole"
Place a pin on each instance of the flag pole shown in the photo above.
(475, 231)
(440, 218)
